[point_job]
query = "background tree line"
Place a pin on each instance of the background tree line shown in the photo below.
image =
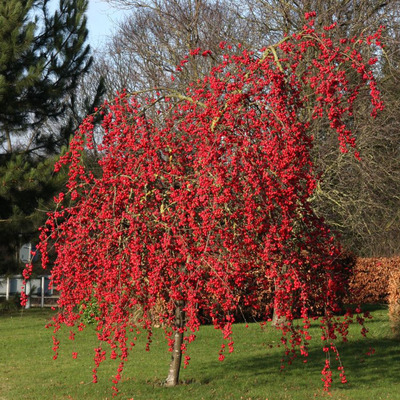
(49, 79)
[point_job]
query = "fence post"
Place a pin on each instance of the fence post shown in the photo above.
(8, 289)
(42, 293)
(28, 294)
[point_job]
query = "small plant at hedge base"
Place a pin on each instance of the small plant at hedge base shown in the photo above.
(89, 311)
(394, 302)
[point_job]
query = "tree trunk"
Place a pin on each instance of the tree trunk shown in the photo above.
(9, 143)
(278, 321)
(175, 365)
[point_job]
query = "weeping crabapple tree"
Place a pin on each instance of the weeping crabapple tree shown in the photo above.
(202, 208)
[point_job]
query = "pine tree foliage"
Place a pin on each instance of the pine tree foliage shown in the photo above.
(45, 91)
(26, 188)
(42, 56)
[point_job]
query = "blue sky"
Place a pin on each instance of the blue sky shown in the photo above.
(102, 18)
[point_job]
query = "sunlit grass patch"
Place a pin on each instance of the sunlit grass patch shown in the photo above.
(252, 371)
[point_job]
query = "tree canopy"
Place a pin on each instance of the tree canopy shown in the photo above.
(207, 209)
(358, 199)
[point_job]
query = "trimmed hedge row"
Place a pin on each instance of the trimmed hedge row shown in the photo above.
(377, 280)
(369, 282)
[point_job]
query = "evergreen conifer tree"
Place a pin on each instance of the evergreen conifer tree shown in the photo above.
(43, 59)
(42, 56)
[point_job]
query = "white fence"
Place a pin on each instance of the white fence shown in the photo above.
(38, 290)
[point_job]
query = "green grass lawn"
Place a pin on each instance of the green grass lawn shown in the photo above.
(252, 371)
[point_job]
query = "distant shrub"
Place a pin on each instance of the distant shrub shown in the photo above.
(11, 305)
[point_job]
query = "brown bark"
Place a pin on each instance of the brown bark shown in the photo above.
(176, 358)
(277, 321)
